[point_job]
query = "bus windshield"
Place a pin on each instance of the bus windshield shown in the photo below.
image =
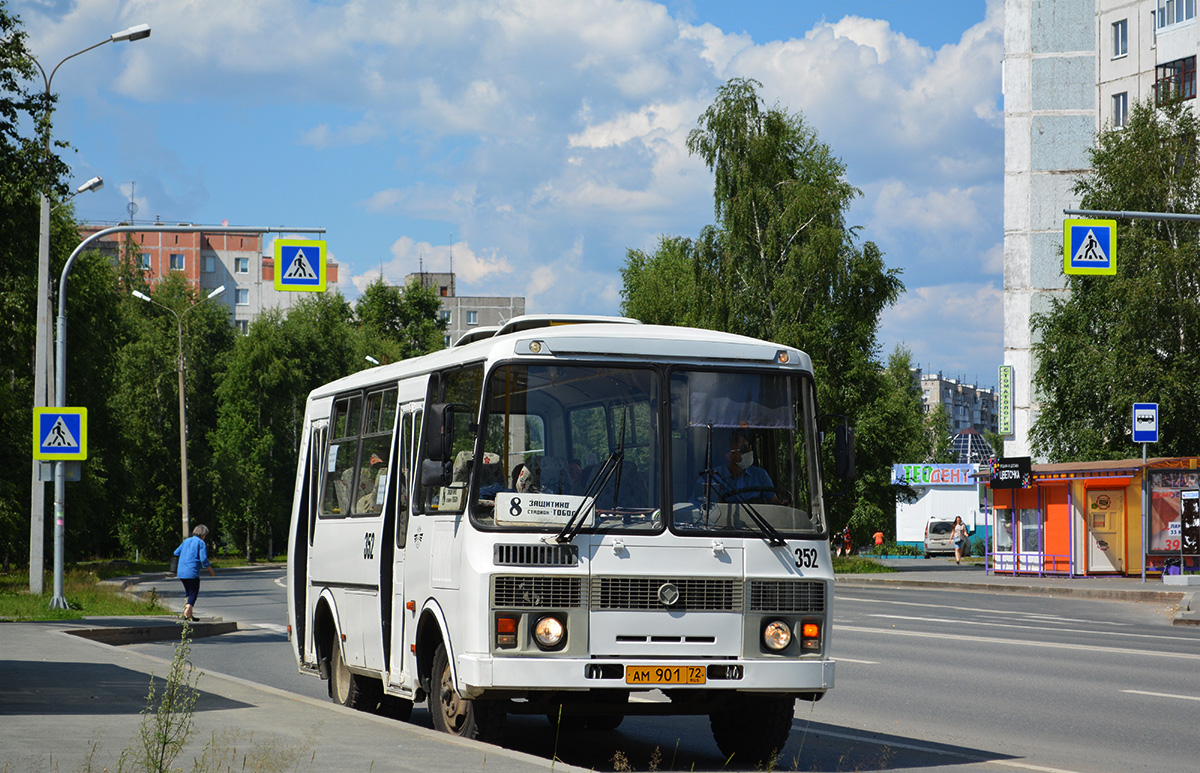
(583, 444)
(743, 454)
(573, 440)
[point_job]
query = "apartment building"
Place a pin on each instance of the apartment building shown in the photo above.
(464, 313)
(210, 260)
(1071, 67)
(969, 406)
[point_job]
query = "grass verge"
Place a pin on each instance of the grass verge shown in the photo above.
(859, 565)
(83, 591)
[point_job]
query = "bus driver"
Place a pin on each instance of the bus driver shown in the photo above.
(738, 480)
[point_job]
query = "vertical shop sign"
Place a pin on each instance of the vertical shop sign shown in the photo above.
(1005, 418)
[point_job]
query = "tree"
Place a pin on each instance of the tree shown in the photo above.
(145, 400)
(25, 172)
(781, 264)
(405, 320)
(1133, 337)
(262, 391)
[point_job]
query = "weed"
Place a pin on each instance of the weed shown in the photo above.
(167, 720)
(621, 762)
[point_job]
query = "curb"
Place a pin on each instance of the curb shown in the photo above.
(151, 633)
(1187, 612)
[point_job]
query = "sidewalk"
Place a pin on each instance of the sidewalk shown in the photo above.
(935, 573)
(61, 695)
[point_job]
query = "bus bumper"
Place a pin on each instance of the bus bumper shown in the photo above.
(479, 673)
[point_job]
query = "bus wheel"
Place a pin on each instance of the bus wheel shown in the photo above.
(351, 690)
(605, 722)
(482, 720)
(752, 729)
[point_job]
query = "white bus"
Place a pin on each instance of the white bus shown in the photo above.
(560, 516)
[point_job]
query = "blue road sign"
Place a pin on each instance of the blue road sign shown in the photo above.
(1090, 246)
(60, 433)
(1145, 422)
(300, 265)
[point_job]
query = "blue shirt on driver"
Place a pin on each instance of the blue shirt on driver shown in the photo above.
(725, 487)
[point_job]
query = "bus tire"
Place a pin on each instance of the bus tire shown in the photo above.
(752, 729)
(349, 689)
(481, 720)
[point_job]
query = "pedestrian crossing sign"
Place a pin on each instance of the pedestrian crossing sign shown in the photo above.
(60, 433)
(1090, 247)
(300, 265)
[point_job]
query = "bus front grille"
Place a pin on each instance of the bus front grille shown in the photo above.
(535, 555)
(537, 592)
(691, 594)
(803, 596)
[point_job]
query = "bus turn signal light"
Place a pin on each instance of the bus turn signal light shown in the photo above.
(810, 636)
(506, 632)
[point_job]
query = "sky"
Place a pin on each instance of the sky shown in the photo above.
(534, 142)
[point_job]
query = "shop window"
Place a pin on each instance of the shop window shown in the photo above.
(1165, 490)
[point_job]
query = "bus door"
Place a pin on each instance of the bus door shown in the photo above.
(304, 523)
(412, 402)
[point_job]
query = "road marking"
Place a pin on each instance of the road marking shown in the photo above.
(943, 607)
(957, 621)
(273, 627)
(281, 582)
(935, 750)
(1020, 642)
(1163, 695)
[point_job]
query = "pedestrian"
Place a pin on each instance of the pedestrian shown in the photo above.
(879, 539)
(958, 538)
(193, 554)
(846, 544)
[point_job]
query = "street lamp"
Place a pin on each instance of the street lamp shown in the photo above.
(182, 409)
(42, 378)
(60, 362)
(371, 360)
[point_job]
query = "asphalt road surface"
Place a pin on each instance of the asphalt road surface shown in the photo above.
(927, 679)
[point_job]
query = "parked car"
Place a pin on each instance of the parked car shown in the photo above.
(937, 536)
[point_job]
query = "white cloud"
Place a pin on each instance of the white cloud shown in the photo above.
(951, 328)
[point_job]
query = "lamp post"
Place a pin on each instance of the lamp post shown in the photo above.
(43, 385)
(183, 484)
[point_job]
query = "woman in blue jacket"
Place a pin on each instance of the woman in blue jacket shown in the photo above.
(193, 554)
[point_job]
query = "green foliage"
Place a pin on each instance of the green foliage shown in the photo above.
(781, 264)
(1114, 340)
(404, 320)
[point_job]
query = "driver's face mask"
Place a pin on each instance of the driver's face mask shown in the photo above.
(745, 458)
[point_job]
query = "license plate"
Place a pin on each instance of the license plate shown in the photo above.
(665, 675)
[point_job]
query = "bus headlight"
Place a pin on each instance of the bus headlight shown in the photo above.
(777, 635)
(549, 632)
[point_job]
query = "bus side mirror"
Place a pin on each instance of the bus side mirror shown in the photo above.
(843, 451)
(437, 443)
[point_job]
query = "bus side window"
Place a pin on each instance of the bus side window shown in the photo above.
(341, 457)
(403, 476)
(376, 448)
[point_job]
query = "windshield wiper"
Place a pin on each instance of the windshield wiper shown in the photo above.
(770, 533)
(597, 484)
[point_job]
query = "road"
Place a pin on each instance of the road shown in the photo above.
(927, 680)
